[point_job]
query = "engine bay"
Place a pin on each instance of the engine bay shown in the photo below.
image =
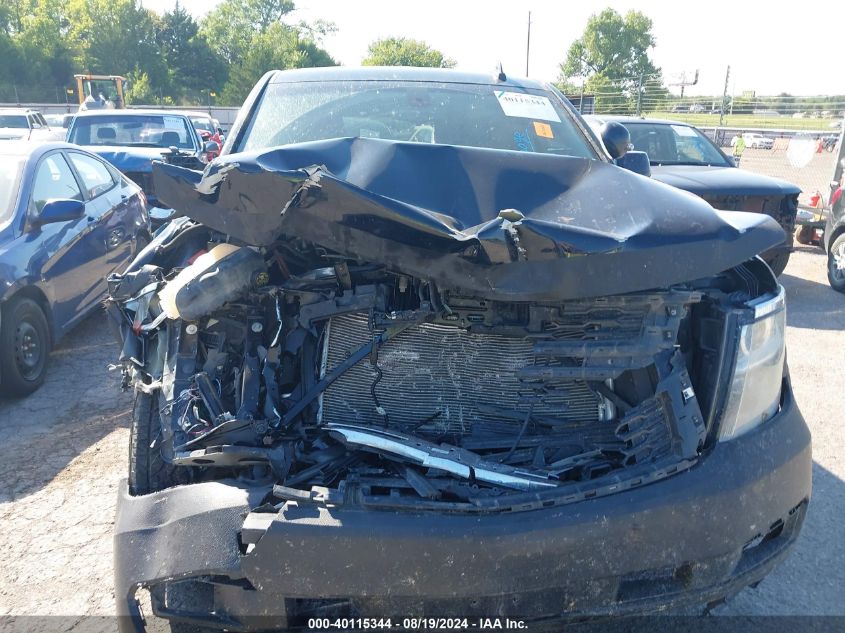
(342, 382)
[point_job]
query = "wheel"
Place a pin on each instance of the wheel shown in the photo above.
(836, 264)
(148, 472)
(804, 235)
(24, 347)
(778, 263)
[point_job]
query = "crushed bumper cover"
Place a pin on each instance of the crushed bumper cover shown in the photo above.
(691, 539)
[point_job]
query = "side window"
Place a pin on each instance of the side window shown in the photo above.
(96, 178)
(32, 122)
(54, 180)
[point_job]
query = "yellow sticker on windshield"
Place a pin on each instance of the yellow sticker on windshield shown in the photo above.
(543, 129)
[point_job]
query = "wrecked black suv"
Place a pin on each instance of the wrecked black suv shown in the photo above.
(417, 347)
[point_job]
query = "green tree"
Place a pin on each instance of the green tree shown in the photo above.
(611, 57)
(278, 47)
(116, 37)
(230, 27)
(139, 90)
(192, 65)
(47, 44)
(401, 51)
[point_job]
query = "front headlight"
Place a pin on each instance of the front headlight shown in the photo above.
(754, 395)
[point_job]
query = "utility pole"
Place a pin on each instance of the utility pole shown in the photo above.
(581, 100)
(639, 95)
(725, 96)
(528, 44)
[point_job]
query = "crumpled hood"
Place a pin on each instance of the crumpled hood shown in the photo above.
(498, 224)
(129, 158)
(722, 181)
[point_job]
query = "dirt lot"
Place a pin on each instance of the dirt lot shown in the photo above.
(63, 450)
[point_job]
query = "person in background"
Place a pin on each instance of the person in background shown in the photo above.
(739, 148)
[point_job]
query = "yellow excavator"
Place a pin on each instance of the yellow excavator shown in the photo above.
(100, 91)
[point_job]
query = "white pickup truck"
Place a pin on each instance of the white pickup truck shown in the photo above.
(24, 124)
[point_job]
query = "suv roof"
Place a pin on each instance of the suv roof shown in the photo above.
(130, 112)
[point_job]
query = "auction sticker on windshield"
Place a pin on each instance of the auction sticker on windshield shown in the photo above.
(683, 130)
(173, 123)
(526, 106)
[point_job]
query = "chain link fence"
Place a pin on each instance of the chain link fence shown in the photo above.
(808, 158)
(25, 94)
(29, 94)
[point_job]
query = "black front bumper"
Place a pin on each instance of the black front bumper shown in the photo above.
(693, 538)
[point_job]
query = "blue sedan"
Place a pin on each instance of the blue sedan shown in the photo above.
(67, 220)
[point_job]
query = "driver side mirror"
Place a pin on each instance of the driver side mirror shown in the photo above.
(60, 210)
(636, 162)
(616, 139)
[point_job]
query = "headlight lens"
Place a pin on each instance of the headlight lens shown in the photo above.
(754, 395)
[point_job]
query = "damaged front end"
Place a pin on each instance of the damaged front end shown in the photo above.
(317, 339)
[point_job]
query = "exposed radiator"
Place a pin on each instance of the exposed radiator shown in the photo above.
(444, 374)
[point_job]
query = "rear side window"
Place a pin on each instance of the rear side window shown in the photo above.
(96, 178)
(54, 180)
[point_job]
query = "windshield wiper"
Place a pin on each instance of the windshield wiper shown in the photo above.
(141, 144)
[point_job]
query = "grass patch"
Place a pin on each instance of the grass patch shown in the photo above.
(747, 121)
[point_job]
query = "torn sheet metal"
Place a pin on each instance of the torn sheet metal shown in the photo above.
(449, 459)
(499, 224)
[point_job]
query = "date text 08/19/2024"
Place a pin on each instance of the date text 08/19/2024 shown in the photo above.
(416, 624)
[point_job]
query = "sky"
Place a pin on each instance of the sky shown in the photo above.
(772, 47)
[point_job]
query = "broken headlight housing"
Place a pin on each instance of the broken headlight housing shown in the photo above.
(755, 389)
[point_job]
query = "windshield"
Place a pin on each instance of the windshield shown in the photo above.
(670, 144)
(443, 113)
(10, 173)
(152, 130)
(13, 120)
(203, 124)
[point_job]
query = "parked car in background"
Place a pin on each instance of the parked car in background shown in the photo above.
(757, 141)
(132, 139)
(420, 346)
(697, 107)
(67, 220)
(25, 124)
(834, 236)
(59, 121)
(209, 130)
(686, 158)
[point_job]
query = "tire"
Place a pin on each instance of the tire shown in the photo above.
(25, 344)
(148, 472)
(836, 275)
(804, 235)
(778, 263)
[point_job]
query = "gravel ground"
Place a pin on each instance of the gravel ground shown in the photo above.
(63, 451)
